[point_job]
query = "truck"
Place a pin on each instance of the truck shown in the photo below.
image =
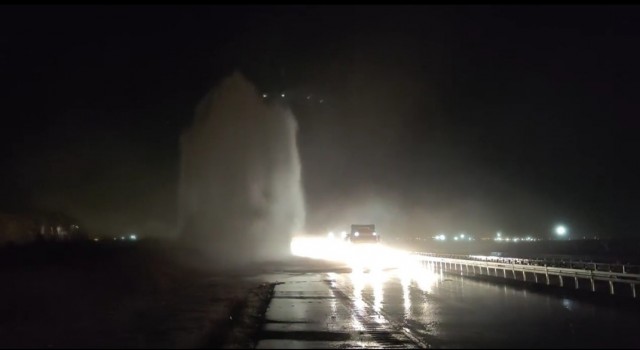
(363, 234)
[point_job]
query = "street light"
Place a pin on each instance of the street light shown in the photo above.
(561, 230)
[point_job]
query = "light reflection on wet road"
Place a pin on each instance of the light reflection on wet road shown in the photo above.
(411, 304)
(455, 312)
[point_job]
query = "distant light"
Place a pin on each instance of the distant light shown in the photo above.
(357, 234)
(95, 239)
(499, 234)
(462, 235)
(331, 235)
(309, 97)
(455, 238)
(375, 234)
(321, 101)
(561, 230)
(264, 95)
(508, 239)
(133, 237)
(282, 94)
(344, 234)
(122, 238)
(516, 239)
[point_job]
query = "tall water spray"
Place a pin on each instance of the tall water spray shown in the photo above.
(240, 192)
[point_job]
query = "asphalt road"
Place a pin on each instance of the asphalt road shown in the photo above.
(413, 307)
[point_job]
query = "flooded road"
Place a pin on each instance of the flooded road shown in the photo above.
(418, 307)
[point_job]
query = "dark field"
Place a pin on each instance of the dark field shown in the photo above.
(603, 250)
(123, 294)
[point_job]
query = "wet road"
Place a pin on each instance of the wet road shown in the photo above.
(418, 307)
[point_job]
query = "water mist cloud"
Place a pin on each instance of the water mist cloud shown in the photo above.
(240, 192)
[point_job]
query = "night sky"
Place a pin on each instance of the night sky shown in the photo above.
(451, 119)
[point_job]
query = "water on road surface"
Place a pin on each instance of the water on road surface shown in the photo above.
(420, 307)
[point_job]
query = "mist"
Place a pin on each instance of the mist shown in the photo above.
(240, 195)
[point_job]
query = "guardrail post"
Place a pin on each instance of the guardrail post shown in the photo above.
(513, 270)
(535, 275)
(504, 272)
(623, 269)
(633, 289)
(524, 275)
(546, 273)
(577, 283)
(611, 287)
(561, 282)
(593, 284)
(467, 266)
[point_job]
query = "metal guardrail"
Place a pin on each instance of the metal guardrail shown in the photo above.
(566, 262)
(513, 268)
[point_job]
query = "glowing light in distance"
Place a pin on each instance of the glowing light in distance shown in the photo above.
(561, 230)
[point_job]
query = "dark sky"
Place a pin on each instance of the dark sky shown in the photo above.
(435, 118)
